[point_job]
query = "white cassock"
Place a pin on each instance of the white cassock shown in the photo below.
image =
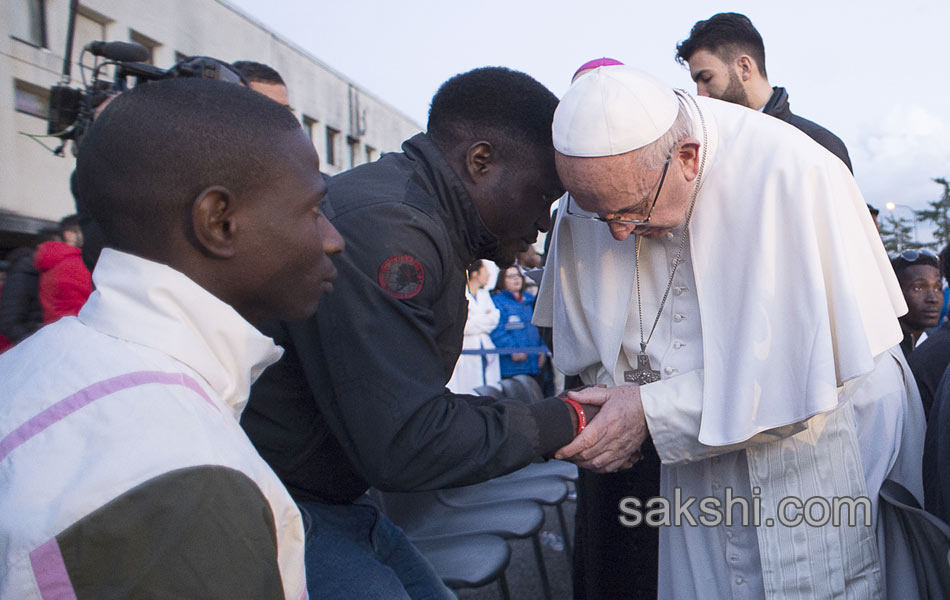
(473, 370)
(777, 378)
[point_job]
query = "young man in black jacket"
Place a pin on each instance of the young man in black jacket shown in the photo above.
(726, 59)
(359, 398)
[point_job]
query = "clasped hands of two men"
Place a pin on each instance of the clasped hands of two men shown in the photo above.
(613, 435)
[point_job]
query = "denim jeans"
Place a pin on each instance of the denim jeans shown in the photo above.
(354, 552)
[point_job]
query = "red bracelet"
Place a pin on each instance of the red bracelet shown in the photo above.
(581, 417)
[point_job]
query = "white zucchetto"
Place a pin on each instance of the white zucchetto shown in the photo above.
(613, 110)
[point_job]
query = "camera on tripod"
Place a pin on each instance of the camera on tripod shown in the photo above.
(71, 110)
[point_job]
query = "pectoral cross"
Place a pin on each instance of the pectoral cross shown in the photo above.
(644, 373)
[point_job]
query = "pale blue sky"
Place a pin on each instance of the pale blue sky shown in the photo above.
(872, 72)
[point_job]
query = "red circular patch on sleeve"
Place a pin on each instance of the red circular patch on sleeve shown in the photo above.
(401, 276)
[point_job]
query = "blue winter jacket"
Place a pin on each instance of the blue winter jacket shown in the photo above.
(516, 331)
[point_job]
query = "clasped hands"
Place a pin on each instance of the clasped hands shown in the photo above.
(612, 438)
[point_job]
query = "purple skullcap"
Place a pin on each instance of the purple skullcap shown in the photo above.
(597, 62)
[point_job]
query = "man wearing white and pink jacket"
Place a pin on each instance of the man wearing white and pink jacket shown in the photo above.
(124, 470)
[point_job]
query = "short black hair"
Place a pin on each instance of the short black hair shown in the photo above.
(69, 223)
(507, 108)
(475, 267)
(49, 234)
(726, 35)
(156, 147)
(255, 71)
(912, 257)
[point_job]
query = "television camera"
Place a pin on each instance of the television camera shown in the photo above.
(72, 110)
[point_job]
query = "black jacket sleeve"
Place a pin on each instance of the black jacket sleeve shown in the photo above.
(373, 359)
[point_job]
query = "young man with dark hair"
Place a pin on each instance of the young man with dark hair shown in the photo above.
(726, 58)
(125, 470)
(930, 358)
(263, 79)
(918, 272)
(258, 77)
(360, 398)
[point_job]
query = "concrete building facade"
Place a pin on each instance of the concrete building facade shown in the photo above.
(348, 126)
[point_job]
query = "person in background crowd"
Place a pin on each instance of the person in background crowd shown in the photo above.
(5, 344)
(726, 58)
(930, 358)
(529, 260)
(945, 267)
(918, 272)
(936, 467)
(64, 281)
(514, 328)
(126, 473)
(20, 310)
(874, 213)
(474, 370)
(264, 80)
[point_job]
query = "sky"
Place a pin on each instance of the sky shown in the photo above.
(872, 72)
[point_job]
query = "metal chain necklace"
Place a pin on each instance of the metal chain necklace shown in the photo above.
(645, 373)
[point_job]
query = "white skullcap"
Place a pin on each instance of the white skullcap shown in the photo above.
(613, 110)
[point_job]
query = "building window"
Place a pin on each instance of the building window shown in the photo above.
(90, 27)
(31, 99)
(310, 126)
(29, 22)
(370, 154)
(332, 135)
(146, 41)
(354, 145)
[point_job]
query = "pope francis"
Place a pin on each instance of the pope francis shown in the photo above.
(719, 270)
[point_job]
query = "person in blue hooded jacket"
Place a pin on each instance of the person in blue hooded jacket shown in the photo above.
(514, 327)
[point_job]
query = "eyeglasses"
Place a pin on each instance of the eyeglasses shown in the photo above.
(619, 220)
(914, 255)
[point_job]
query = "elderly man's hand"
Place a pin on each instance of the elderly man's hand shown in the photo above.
(612, 439)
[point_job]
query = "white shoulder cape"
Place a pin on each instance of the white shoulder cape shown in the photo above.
(796, 292)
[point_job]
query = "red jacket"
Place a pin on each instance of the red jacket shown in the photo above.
(65, 283)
